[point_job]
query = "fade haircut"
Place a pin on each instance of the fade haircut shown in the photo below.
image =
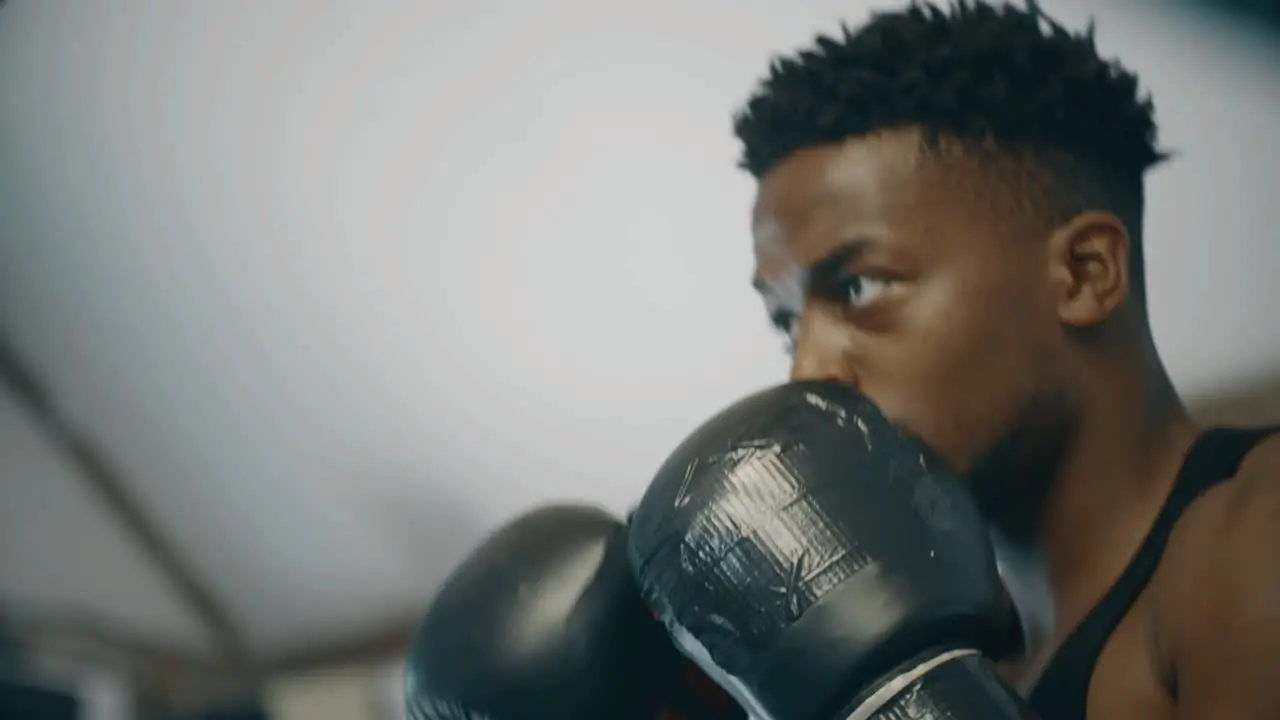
(997, 79)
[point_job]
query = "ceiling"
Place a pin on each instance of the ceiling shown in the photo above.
(338, 286)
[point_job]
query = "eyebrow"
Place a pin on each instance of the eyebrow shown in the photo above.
(825, 269)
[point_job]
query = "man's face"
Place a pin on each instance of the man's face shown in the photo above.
(904, 275)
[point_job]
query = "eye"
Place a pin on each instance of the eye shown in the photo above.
(859, 290)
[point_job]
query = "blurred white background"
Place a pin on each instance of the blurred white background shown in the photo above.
(338, 286)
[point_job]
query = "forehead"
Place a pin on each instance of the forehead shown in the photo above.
(882, 186)
(852, 172)
(832, 190)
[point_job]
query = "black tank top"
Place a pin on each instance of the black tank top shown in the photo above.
(1063, 688)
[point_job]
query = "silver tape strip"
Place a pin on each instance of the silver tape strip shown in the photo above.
(890, 690)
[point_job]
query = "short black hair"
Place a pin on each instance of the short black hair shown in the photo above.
(975, 70)
(981, 73)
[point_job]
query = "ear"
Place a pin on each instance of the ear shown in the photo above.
(1089, 263)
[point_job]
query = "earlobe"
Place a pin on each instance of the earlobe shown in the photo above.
(1090, 256)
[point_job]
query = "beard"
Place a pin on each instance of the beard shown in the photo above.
(1013, 478)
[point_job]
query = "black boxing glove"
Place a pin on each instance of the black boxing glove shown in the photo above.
(820, 565)
(544, 620)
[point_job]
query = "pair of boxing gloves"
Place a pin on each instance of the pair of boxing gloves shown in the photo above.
(797, 558)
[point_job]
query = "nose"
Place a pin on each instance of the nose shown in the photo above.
(822, 350)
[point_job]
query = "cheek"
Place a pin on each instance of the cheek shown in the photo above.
(954, 373)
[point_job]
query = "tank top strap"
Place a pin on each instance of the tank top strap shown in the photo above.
(1063, 688)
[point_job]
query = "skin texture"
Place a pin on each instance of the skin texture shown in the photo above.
(1013, 342)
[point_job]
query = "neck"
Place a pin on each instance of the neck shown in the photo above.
(1131, 441)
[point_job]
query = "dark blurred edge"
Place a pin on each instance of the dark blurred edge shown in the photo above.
(20, 699)
(1261, 15)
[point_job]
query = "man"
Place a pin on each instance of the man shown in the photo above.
(949, 218)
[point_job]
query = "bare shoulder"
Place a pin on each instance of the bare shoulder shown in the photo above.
(1217, 592)
(1264, 461)
(1228, 512)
